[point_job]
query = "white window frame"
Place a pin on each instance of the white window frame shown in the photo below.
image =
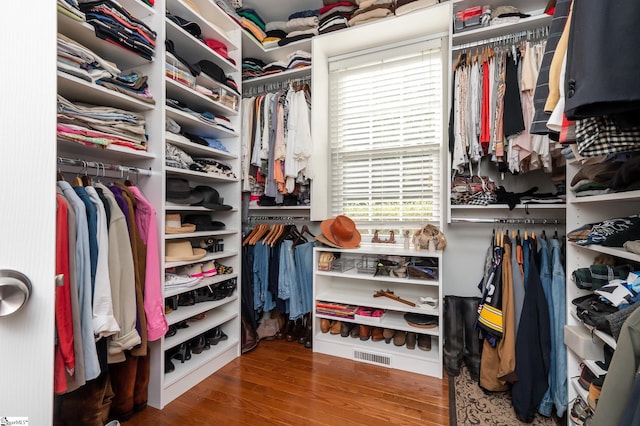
(423, 25)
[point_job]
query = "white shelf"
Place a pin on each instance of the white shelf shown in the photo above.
(393, 320)
(196, 100)
(208, 26)
(289, 74)
(198, 175)
(138, 8)
(185, 312)
(486, 33)
(267, 208)
(584, 394)
(206, 281)
(208, 257)
(213, 319)
(84, 33)
(197, 149)
(197, 361)
(613, 197)
(200, 234)
(193, 50)
(529, 206)
(77, 89)
(187, 208)
(214, 14)
(253, 49)
(357, 289)
(606, 338)
(594, 368)
(194, 125)
(613, 251)
(110, 153)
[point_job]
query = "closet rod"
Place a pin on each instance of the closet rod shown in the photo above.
(103, 166)
(278, 219)
(534, 34)
(506, 220)
(274, 86)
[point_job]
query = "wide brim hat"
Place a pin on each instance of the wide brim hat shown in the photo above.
(182, 251)
(173, 225)
(341, 231)
(203, 222)
(325, 241)
(210, 198)
(178, 191)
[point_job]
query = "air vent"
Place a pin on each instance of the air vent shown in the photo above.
(374, 358)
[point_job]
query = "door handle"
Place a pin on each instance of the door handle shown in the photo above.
(15, 289)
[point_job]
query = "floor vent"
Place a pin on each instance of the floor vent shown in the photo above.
(369, 357)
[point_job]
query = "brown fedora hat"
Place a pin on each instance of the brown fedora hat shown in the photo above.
(341, 231)
(181, 251)
(173, 225)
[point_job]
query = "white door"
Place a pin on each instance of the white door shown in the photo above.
(27, 205)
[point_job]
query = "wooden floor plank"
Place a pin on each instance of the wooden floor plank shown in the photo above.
(283, 383)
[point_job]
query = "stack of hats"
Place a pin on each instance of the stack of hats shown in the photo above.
(371, 10)
(335, 15)
(339, 232)
(178, 191)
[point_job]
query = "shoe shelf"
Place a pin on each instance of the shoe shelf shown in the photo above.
(200, 234)
(185, 312)
(579, 390)
(594, 368)
(169, 292)
(381, 353)
(195, 99)
(351, 287)
(213, 319)
(223, 350)
(209, 256)
(392, 320)
(604, 337)
(77, 89)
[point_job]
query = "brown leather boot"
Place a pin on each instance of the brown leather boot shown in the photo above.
(123, 381)
(141, 388)
(249, 336)
(84, 405)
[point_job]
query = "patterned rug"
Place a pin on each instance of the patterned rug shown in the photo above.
(469, 405)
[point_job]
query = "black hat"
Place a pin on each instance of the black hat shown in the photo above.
(212, 70)
(210, 198)
(178, 191)
(204, 223)
(189, 26)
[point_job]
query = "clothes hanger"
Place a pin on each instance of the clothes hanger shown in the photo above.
(77, 181)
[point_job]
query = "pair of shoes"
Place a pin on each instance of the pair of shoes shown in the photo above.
(355, 331)
(424, 342)
(172, 280)
(215, 336)
(377, 334)
(580, 413)
(325, 325)
(182, 353)
(198, 344)
(364, 332)
(411, 340)
(388, 334)
(345, 329)
(594, 395)
(399, 338)
(336, 326)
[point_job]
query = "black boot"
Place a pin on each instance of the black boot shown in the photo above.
(453, 345)
(472, 339)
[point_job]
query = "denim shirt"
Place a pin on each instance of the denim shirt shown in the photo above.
(557, 394)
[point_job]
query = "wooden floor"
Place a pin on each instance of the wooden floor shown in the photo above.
(283, 383)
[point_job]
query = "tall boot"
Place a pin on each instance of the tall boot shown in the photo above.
(141, 389)
(249, 336)
(284, 328)
(472, 339)
(123, 381)
(83, 406)
(453, 345)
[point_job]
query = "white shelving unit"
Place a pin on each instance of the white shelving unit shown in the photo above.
(354, 288)
(165, 386)
(581, 211)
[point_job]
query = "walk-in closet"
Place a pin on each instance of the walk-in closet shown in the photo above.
(320, 212)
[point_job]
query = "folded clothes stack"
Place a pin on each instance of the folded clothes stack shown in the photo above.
(300, 26)
(100, 125)
(335, 16)
(371, 10)
(114, 23)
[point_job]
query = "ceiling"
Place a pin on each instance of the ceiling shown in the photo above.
(279, 10)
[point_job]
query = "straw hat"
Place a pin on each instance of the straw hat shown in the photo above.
(181, 251)
(173, 225)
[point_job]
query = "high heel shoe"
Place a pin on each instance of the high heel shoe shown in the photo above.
(215, 336)
(183, 354)
(197, 344)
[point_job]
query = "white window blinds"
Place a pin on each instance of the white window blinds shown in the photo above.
(385, 135)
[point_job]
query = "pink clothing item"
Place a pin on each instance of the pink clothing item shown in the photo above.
(153, 301)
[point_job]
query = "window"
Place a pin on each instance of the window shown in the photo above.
(385, 135)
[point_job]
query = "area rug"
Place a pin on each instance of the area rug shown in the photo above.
(469, 405)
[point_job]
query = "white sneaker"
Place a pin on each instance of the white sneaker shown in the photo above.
(209, 269)
(176, 280)
(193, 271)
